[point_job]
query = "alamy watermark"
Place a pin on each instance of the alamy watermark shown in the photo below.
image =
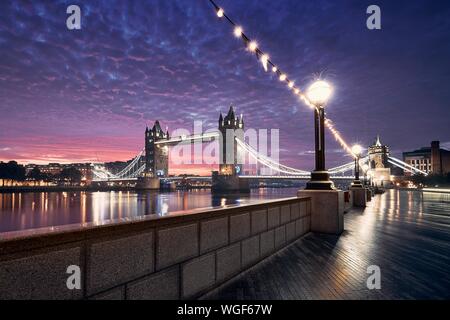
(73, 21)
(74, 280)
(374, 280)
(374, 20)
(237, 146)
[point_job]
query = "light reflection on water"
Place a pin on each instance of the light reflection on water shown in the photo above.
(21, 211)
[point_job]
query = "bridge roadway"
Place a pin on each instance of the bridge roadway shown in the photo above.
(242, 177)
(405, 233)
(203, 137)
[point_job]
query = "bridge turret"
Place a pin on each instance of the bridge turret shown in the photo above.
(230, 127)
(220, 120)
(231, 163)
(380, 170)
(378, 154)
(156, 154)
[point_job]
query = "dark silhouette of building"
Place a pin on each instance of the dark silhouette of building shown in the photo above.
(433, 159)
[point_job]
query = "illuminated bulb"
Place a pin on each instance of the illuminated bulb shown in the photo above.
(291, 84)
(220, 13)
(274, 69)
(283, 77)
(252, 46)
(356, 149)
(319, 93)
(264, 61)
(238, 32)
(297, 91)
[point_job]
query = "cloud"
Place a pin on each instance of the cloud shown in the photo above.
(137, 61)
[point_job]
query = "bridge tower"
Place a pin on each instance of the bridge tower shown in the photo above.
(379, 169)
(156, 155)
(231, 161)
(156, 158)
(230, 127)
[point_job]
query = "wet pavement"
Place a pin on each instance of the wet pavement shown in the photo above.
(405, 233)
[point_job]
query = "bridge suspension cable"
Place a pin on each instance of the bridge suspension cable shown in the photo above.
(132, 170)
(188, 139)
(348, 166)
(269, 162)
(403, 165)
(100, 173)
(289, 170)
(253, 47)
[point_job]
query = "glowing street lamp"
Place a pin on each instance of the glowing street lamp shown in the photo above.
(318, 94)
(356, 150)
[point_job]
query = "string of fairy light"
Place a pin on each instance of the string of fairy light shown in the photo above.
(253, 47)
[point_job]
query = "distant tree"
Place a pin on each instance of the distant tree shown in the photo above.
(431, 180)
(71, 175)
(47, 177)
(18, 171)
(435, 180)
(35, 175)
(12, 171)
(418, 179)
(3, 173)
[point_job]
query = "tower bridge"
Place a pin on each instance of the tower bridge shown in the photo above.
(151, 164)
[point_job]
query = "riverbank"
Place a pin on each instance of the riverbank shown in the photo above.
(64, 189)
(438, 190)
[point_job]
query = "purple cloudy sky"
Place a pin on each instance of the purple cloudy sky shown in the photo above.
(87, 95)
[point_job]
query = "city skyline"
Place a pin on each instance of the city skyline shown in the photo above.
(87, 95)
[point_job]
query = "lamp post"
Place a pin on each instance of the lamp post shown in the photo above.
(365, 170)
(319, 93)
(356, 150)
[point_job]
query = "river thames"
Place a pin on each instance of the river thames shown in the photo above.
(22, 211)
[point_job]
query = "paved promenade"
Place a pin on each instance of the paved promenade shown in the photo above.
(405, 233)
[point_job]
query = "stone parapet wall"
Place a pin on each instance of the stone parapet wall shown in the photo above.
(180, 256)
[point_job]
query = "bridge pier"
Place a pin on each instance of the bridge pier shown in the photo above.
(228, 183)
(148, 183)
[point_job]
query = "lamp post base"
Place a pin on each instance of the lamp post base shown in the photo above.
(356, 184)
(320, 180)
(359, 196)
(327, 210)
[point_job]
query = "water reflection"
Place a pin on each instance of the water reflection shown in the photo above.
(21, 211)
